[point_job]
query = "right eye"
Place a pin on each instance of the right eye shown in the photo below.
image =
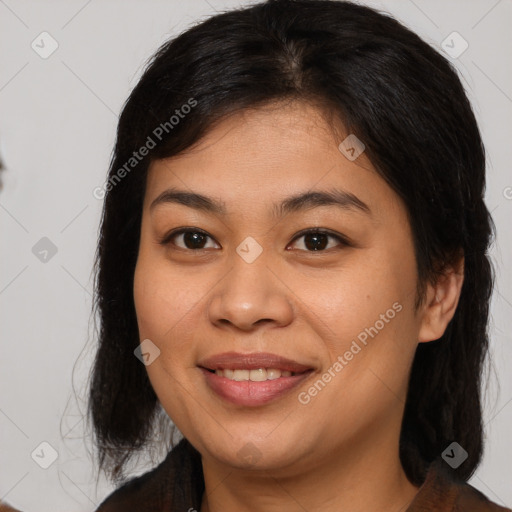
(193, 239)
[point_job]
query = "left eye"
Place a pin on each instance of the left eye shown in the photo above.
(317, 240)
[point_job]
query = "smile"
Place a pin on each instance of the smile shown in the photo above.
(258, 375)
(252, 393)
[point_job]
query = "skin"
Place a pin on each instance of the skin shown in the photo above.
(340, 450)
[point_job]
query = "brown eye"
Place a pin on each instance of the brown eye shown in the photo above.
(191, 239)
(318, 240)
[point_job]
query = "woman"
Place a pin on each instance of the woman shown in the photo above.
(293, 268)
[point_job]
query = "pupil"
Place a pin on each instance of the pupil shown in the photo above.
(195, 239)
(316, 245)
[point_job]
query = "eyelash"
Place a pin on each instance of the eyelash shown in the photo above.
(166, 240)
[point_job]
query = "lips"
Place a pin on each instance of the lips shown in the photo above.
(254, 361)
(287, 375)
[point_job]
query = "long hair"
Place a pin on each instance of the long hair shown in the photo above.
(394, 92)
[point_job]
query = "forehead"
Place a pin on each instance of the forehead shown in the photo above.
(269, 152)
(283, 129)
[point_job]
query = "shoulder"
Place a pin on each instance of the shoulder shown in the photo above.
(442, 492)
(470, 498)
(155, 490)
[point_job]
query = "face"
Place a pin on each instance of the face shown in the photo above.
(244, 278)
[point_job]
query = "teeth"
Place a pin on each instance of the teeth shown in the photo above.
(258, 375)
(241, 375)
(272, 373)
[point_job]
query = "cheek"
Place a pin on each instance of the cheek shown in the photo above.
(366, 315)
(169, 307)
(162, 298)
(352, 300)
(164, 309)
(152, 305)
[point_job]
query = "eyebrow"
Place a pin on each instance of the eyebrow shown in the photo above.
(299, 202)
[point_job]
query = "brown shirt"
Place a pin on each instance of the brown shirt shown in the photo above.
(169, 487)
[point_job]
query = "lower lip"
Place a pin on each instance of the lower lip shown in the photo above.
(250, 393)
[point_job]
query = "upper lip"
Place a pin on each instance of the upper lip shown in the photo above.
(252, 361)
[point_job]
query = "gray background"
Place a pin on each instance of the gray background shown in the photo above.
(57, 126)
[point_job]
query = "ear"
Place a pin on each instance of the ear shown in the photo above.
(441, 302)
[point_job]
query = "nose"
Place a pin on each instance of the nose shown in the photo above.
(251, 295)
